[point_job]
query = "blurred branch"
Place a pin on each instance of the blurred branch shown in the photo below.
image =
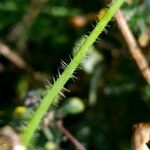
(16, 59)
(78, 145)
(133, 46)
(141, 136)
(26, 21)
(13, 57)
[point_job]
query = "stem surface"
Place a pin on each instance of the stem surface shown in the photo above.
(60, 82)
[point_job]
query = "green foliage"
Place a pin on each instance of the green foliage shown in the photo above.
(73, 106)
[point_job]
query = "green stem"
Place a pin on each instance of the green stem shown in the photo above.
(59, 84)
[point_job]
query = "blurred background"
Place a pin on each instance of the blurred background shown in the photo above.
(110, 94)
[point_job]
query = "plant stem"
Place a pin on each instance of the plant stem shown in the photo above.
(60, 82)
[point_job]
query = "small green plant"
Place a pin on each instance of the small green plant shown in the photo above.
(58, 86)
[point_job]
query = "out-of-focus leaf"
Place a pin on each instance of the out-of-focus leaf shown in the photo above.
(74, 105)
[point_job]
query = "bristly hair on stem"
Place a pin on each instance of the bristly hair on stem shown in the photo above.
(55, 89)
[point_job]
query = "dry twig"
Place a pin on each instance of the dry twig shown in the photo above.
(133, 46)
(17, 60)
(26, 21)
(78, 145)
(141, 136)
(13, 57)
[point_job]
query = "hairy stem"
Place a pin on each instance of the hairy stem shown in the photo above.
(60, 82)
